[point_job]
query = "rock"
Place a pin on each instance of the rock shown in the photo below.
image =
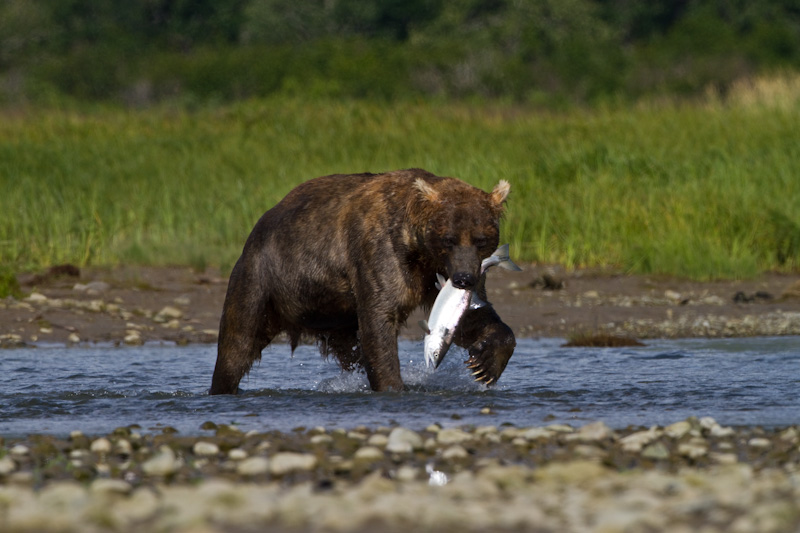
(169, 313)
(7, 466)
(253, 466)
(379, 440)
(163, 463)
(596, 431)
(323, 440)
(74, 338)
(368, 454)
(656, 451)
(455, 452)
(101, 445)
(636, 441)
(759, 443)
(285, 462)
(20, 450)
(722, 432)
(96, 287)
(678, 429)
(204, 448)
(132, 337)
(115, 486)
(535, 433)
(237, 454)
(692, 450)
(36, 298)
(452, 436)
(402, 440)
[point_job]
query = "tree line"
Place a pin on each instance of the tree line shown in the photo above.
(548, 52)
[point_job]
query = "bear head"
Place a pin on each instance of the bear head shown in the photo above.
(462, 226)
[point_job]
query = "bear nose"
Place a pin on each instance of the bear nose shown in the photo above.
(464, 280)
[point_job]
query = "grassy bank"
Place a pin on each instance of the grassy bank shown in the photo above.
(706, 191)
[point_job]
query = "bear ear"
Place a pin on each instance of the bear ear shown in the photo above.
(500, 192)
(427, 191)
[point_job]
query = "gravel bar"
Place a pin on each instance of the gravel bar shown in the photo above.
(691, 475)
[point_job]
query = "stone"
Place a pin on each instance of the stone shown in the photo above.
(253, 466)
(283, 463)
(163, 463)
(204, 448)
(656, 451)
(759, 443)
(74, 338)
(36, 298)
(237, 454)
(678, 429)
(114, 486)
(402, 440)
(101, 445)
(169, 312)
(455, 452)
(536, 433)
(368, 454)
(379, 440)
(452, 436)
(7, 466)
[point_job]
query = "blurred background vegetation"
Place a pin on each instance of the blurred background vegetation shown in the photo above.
(539, 52)
(650, 136)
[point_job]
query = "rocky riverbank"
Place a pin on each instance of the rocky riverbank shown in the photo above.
(132, 305)
(689, 476)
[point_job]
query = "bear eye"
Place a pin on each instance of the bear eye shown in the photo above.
(448, 241)
(480, 242)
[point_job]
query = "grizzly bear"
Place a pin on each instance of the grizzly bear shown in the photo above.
(347, 258)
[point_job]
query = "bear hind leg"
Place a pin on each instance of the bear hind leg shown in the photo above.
(242, 337)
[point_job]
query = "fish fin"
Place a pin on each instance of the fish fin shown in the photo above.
(424, 325)
(505, 261)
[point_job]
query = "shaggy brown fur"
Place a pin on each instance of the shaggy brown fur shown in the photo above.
(347, 258)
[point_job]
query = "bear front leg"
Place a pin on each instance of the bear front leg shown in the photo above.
(378, 337)
(489, 341)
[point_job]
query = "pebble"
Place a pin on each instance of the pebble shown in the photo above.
(591, 478)
(237, 454)
(253, 466)
(7, 466)
(101, 445)
(163, 463)
(402, 440)
(169, 312)
(285, 462)
(204, 448)
(368, 454)
(452, 436)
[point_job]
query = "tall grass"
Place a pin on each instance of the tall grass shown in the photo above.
(710, 190)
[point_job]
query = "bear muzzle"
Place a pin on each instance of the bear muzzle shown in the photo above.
(464, 280)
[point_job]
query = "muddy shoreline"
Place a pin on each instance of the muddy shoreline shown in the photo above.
(141, 304)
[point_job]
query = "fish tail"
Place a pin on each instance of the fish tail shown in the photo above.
(503, 259)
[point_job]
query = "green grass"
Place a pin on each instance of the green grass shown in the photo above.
(703, 191)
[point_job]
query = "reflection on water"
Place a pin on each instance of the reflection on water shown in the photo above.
(95, 389)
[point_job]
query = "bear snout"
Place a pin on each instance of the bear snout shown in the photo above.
(464, 280)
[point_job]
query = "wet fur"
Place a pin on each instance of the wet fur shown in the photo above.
(347, 258)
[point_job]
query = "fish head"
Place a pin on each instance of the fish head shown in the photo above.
(463, 229)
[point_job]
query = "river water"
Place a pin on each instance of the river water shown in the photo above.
(57, 389)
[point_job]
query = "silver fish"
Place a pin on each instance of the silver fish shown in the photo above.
(451, 304)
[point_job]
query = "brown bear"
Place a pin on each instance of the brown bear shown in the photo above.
(347, 258)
